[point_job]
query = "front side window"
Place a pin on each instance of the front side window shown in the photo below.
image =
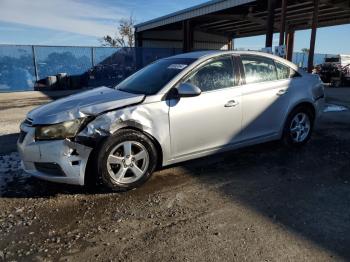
(155, 76)
(216, 74)
(258, 69)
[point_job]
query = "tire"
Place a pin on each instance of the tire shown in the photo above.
(126, 160)
(298, 134)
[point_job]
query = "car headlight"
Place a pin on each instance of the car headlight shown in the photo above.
(62, 130)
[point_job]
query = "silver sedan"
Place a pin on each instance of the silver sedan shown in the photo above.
(176, 109)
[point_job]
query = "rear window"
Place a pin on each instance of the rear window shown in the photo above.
(285, 72)
(155, 76)
(258, 69)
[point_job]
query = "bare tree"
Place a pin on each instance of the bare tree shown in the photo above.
(125, 35)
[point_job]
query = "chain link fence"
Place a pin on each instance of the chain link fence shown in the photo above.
(24, 68)
(17, 70)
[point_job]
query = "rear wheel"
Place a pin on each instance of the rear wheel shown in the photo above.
(126, 160)
(298, 127)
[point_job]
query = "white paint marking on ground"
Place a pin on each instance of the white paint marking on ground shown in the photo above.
(334, 108)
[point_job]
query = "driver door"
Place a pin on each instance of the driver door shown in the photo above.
(211, 120)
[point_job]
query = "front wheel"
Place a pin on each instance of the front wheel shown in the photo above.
(126, 160)
(298, 127)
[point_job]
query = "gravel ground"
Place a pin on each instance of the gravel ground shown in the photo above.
(265, 203)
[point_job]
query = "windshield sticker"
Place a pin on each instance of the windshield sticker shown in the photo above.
(177, 66)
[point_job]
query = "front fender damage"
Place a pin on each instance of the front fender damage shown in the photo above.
(108, 123)
(151, 119)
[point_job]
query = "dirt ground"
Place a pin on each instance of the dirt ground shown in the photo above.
(262, 203)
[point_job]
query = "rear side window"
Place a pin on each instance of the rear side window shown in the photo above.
(216, 74)
(258, 69)
(285, 72)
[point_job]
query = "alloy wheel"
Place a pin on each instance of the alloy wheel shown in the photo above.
(127, 162)
(300, 127)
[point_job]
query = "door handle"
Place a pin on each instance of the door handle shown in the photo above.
(282, 92)
(231, 103)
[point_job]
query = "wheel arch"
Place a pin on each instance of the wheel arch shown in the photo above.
(151, 137)
(306, 104)
(91, 172)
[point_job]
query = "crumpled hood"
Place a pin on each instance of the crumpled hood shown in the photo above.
(88, 103)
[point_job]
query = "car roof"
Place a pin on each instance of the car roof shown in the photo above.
(213, 53)
(209, 53)
(197, 54)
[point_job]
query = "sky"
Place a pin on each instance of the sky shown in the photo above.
(84, 22)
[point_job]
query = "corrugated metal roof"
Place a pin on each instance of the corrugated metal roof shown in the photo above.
(195, 11)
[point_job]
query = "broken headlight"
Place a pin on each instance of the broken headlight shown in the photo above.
(62, 130)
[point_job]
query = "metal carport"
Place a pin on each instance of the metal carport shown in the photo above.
(215, 24)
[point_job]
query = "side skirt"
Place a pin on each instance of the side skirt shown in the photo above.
(250, 142)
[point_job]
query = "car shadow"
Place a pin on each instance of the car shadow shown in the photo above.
(8, 143)
(24, 186)
(306, 190)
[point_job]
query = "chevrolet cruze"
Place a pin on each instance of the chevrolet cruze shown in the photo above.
(175, 109)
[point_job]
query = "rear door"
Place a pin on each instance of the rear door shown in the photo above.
(264, 97)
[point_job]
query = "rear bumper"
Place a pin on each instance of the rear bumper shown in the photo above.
(61, 161)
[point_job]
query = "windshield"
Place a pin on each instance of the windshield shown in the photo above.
(155, 76)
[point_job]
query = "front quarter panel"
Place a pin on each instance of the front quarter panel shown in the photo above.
(151, 118)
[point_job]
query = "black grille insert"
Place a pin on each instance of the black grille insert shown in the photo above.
(21, 136)
(28, 122)
(52, 169)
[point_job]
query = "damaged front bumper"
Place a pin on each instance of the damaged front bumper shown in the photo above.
(61, 161)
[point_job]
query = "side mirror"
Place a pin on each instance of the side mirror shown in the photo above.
(188, 90)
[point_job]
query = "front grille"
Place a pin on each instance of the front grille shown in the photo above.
(21, 136)
(51, 169)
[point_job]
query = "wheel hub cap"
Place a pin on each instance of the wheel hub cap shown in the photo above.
(127, 162)
(300, 127)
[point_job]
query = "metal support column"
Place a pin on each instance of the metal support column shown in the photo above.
(270, 22)
(290, 43)
(138, 49)
(138, 39)
(313, 37)
(283, 21)
(230, 43)
(35, 65)
(92, 56)
(187, 40)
